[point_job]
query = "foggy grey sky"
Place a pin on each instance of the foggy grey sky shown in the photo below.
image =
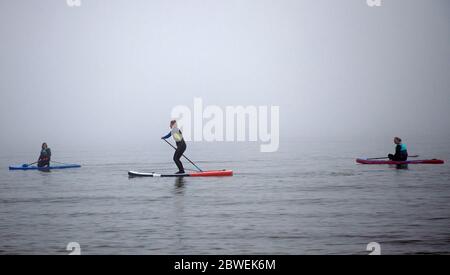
(110, 71)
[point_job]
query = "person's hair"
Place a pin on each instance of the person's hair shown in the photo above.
(399, 139)
(172, 123)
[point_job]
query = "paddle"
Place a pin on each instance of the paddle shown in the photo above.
(184, 156)
(59, 162)
(26, 165)
(415, 156)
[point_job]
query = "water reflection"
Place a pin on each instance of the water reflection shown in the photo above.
(179, 221)
(179, 185)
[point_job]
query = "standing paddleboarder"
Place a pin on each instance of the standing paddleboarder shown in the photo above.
(401, 152)
(181, 145)
(45, 156)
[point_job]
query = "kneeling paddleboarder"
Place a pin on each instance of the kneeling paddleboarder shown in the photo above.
(181, 145)
(401, 152)
(45, 156)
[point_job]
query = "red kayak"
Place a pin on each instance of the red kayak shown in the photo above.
(390, 162)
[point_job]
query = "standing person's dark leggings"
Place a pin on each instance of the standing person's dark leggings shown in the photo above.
(181, 148)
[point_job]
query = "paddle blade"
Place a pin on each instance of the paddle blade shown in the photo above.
(25, 165)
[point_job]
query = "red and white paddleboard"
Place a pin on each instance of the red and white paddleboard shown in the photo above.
(213, 173)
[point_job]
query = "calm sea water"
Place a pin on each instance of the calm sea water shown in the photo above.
(308, 198)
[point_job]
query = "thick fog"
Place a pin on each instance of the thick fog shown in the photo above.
(110, 72)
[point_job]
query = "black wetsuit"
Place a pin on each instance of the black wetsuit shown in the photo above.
(401, 154)
(45, 157)
(181, 148)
